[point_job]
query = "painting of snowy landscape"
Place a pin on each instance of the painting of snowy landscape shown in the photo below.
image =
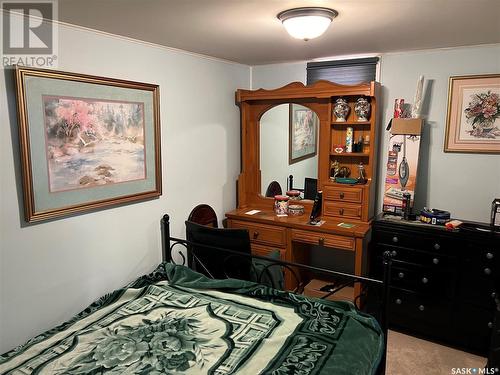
(93, 142)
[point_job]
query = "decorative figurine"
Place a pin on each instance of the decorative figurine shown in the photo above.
(361, 174)
(341, 110)
(362, 109)
(335, 170)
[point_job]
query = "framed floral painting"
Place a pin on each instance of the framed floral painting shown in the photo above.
(86, 142)
(303, 129)
(473, 119)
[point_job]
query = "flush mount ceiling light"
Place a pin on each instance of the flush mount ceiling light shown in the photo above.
(307, 23)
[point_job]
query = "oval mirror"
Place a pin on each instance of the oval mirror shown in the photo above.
(288, 146)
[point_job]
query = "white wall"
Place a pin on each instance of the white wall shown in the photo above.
(464, 184)
(52, 270)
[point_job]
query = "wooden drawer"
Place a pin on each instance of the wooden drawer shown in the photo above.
(264, 251)
(262, 233)
(323, 239)
(341, 209)
(417, 240)
(343, 194)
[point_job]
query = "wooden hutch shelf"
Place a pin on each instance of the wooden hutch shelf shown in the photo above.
(341, 203)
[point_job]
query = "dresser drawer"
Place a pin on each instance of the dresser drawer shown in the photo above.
(262, 233)
(341, 209)
(422, 314)
(435, 260)
(423, 280)
(343, 194)
(265, 251)
(323, 239)
(420, 241)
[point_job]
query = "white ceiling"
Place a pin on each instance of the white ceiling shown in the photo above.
(247, 31)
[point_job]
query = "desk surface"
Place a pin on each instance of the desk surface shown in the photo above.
(300, 222)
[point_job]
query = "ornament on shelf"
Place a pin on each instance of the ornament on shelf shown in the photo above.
(362, 109)
(341, 110)
(349, 139)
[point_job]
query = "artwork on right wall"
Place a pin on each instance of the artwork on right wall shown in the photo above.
(473, 119)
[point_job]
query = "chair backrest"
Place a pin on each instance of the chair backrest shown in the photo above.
(218, 264)
(203, 214)
(273, 189)
(310, 188)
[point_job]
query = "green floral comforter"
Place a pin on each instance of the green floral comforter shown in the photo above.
(176, 321)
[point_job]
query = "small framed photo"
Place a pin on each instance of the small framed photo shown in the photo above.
(303, 130)
(473, 119)
(86, 142)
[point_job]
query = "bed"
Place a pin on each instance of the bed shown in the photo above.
(178, 321)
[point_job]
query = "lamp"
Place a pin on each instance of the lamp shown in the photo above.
(307, 23)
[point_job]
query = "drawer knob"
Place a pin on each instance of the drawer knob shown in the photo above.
(490, 324)
(425, 280)
(421, 307)
(489, 256)
(341, 211)
(395, 239)
(401, 275)
(341, 195)
(437, 246)
(399, 301)
(255, 234)
(487, 271)
(394, 253)
(435, 261)
(321, 241)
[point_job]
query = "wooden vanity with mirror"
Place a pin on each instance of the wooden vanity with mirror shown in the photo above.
(270, 153)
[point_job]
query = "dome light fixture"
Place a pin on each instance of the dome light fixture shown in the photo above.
(307, 23)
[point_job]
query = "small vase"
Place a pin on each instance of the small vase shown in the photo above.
(341, 110)
(362, 109)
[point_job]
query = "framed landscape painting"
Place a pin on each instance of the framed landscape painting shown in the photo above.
(303, 128)
(473, 119)
(86, 142)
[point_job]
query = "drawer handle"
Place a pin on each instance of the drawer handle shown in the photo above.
(425, 280)
(435, 260)
(489, 256)
(341, 211)
(487, 271)
(490, 324)
(255, 235)
(399, 301)
(437, 246)
(421, 307)
(341, 195)
(401, 275)
(321, 241)
(394, 253)
(395, 239)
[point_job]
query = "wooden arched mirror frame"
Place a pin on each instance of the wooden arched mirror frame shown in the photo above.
(254, 103)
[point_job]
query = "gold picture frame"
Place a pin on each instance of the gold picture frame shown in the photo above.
(86, 142)
(473, 116)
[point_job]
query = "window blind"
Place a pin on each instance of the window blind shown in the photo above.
(347, 72)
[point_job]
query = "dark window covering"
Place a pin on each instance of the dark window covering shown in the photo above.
(347, 72)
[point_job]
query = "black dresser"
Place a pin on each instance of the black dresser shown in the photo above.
(444, 283)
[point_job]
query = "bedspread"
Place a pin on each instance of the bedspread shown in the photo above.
(176, 321)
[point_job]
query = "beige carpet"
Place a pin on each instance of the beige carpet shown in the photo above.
(407, 355)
